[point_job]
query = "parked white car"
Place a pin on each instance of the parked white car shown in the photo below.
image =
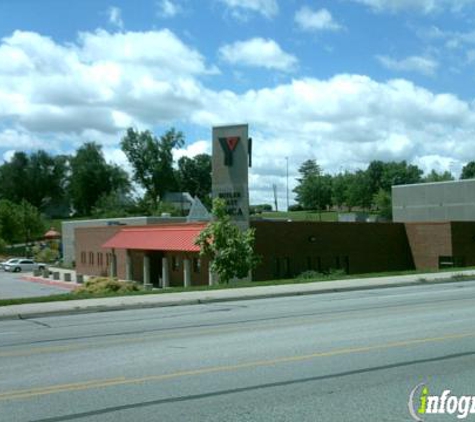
(9, 262)
(24, 265)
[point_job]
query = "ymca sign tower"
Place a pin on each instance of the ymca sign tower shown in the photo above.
(232, 153)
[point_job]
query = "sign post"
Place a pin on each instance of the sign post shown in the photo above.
(232, 152)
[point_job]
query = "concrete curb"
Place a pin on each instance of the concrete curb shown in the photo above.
(46, 309)
(64, 284)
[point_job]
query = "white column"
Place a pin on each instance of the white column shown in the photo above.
(146, 272)
(212, 278)
(128, 265)
(165, 273)
(187, 272)
(113, 264)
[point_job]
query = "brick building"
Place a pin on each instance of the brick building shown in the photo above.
(165, 255)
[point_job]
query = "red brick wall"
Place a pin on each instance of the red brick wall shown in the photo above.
(428, 242)
(356, 247)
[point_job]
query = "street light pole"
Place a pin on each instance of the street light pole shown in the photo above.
(287, 161)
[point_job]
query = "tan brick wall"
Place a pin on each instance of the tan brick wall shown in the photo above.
(89, 240)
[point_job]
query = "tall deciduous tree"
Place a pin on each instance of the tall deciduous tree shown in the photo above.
(314, 191)
(468, 171)
(38, 178)
(92, 178)
(19, 222)
(434, 176)
(194, 176)
(152, 160)
(230, 250)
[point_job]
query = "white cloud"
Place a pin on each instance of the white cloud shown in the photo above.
(418, 64)
(258, 52)
(55, 96)
(102, 82)
(241, 8)
(316, 20)
(115, 17)
(420, 6)
(8, 155)
(344, 122)
(193, 149)
(168, 8)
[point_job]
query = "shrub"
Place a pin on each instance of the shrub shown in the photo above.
(295, 207)
(309, 275)
(45, 254)
(331, 274)
(105, 285)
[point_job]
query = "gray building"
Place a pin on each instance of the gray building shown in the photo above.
(441, 201)
(68, 227)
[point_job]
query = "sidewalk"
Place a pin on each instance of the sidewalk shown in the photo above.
(35, 310)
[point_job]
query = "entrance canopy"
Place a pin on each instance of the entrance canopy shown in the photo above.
(179, 237)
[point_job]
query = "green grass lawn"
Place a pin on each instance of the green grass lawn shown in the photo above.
(303, 215)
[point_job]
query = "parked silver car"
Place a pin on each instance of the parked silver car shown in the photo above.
(24, 265)
(9, 262)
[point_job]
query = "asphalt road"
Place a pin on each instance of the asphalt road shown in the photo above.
(334, 357)
(13, 286)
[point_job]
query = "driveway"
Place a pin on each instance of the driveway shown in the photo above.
(14, 285)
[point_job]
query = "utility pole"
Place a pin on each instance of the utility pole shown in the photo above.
(287, 162)
(274, 187)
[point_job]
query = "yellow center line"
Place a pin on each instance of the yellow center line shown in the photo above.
(41, 391)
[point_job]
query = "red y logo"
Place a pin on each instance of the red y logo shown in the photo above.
(229, 145)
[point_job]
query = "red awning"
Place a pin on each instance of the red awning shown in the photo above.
(179, 237)
(52, 234)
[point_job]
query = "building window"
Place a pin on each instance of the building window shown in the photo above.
(83, 257)
(175, 263)
(99, 259)
(108, 258)
(91, 258)
(197, 265)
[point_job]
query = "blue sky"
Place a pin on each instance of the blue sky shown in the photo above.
(342, 81)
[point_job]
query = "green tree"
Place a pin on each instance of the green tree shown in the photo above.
(92, 177)
(13, 178)
(194, 176)
(39, 178)
(434, 176)
(468, 171)
(152, 160)
(314, 191)
(383, 203)
(113, 205)
(383, 175)
(20, 222)
(340, 187)
(359, 190)
(375, 173)
(400, 173)
(230, 250)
